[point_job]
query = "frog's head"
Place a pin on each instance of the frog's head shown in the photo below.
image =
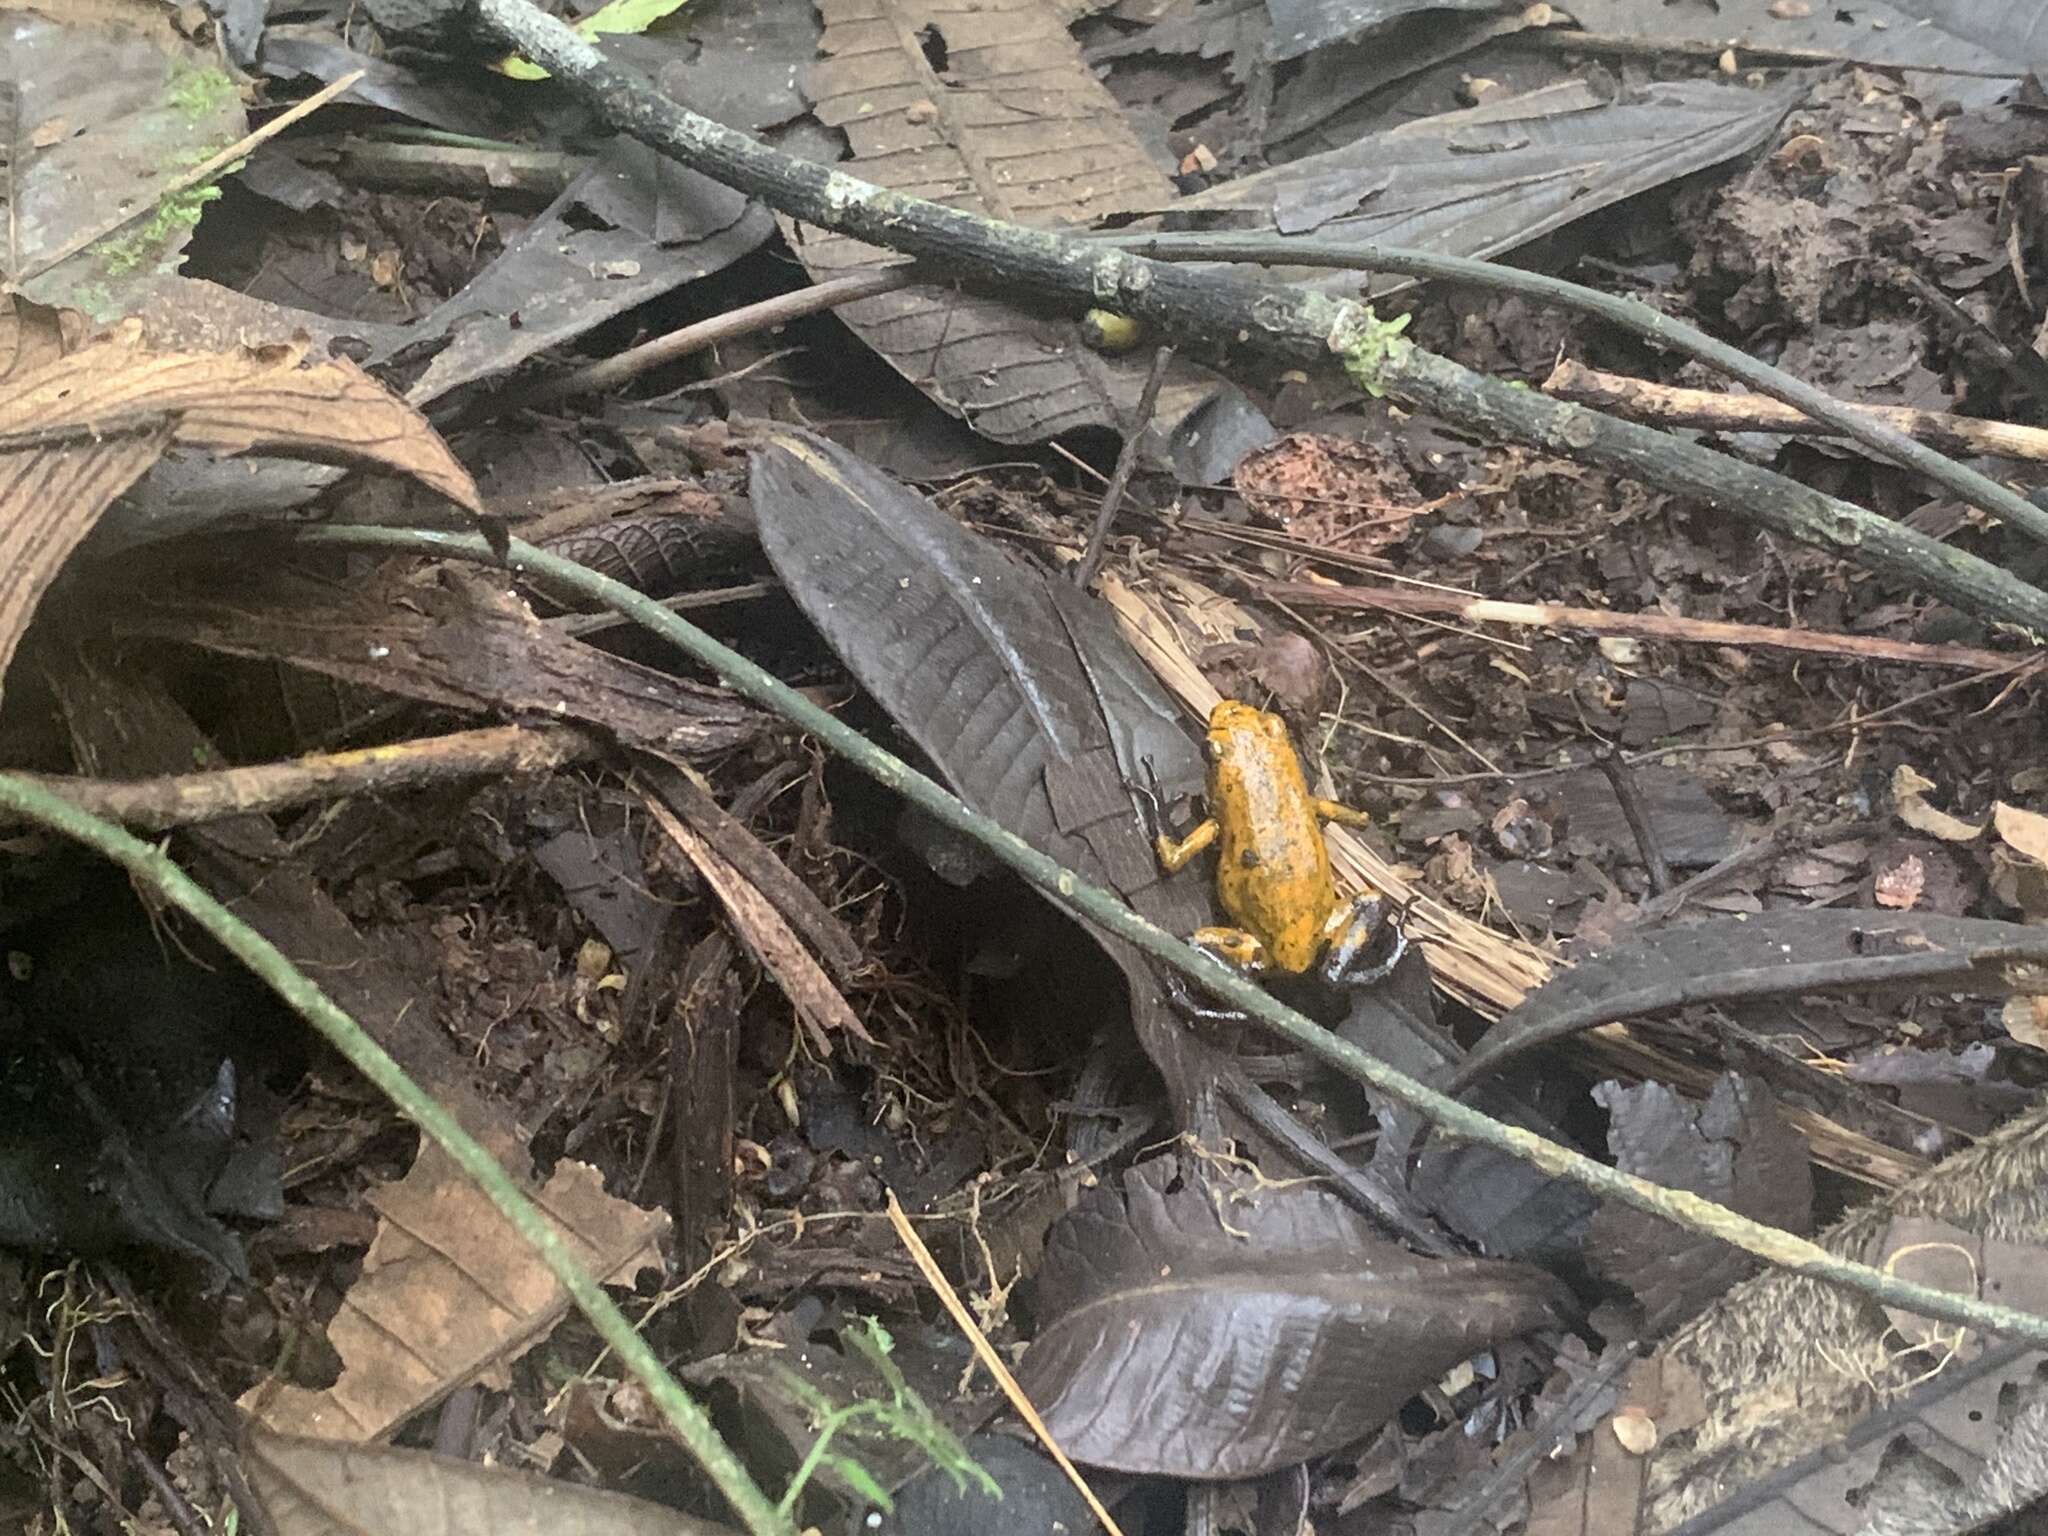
(1237, 730)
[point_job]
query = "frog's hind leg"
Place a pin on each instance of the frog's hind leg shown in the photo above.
(1239, 950)
(1191, 1005)
(1363, 942)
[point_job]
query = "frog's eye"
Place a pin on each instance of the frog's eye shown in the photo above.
(1214, 749)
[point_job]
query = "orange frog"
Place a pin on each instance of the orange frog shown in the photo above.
(1272, 868)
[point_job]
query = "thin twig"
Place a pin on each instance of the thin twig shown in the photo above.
(185, 799)
(1630, 314)
(992, 1362)
(205, 171)
(1642, 626)
(1764, 849)
(1751, 56)
(2021, 365)
(1120, 477)
(1957, 968)
(599, 377)
(1637, 815)
(1708, 410)
(1092, 904)
(584, 625)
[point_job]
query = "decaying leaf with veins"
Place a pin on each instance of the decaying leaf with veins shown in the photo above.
(1199, 1327)
(318, 1488)
(990, 109)
(448, 1289)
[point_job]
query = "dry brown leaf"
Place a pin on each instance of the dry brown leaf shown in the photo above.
(2020, 882)
(2025, 832)
(428, 1316)
(33, 335)
(319, 1488)
(1909, 797)
(263, 399)
(767, 935)
(2026, 1020)
(1899, 887)
(81, 423)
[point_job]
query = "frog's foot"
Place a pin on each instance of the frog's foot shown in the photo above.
(1174, 853)
(1342, 814)
(1363, 942)
(1239, 950)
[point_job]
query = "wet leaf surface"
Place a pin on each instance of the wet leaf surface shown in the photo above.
(448, 1289)
(82, 420)
(1735, 1149)
(1490, 178)
(1200, 1328)
(1782, 951)
(103, 119)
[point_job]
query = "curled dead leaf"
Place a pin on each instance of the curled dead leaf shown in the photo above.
(1909, 798)
(80, 423)
(2024, 832)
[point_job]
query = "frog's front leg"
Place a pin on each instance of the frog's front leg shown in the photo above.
(1362, 943)
(1174, 853)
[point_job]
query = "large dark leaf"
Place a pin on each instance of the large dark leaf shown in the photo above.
(1221, 1331)
(1750, 957)
(1009, 682)
(1508, 1208)
(668, 225)
(991, 109)
(977, 655)
(1482, 181)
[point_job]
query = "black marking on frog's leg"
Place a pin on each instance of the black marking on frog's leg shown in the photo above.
(1150, 798)
(1371, 928)
(1189, 1005)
